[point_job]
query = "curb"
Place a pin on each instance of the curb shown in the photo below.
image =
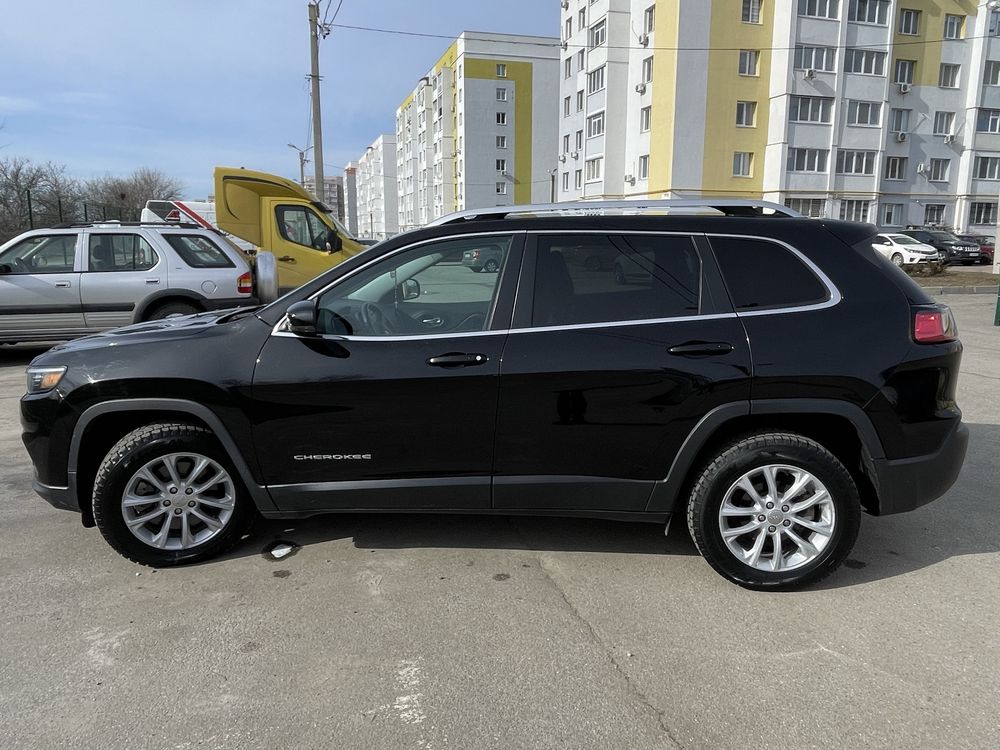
(960, 289)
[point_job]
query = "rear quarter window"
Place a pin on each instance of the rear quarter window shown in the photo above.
(762, 275)
(198, 251)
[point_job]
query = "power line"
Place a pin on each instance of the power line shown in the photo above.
(553, 44)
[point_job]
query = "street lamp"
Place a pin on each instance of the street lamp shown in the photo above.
(302, 162)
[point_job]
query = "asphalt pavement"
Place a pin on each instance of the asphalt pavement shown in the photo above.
(437, 632)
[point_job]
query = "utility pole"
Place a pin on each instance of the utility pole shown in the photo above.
(302, 162)
(314, 30)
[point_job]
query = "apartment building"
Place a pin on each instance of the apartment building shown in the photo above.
(376, 178)
(479, 129)
(885, 111)
(333, 193)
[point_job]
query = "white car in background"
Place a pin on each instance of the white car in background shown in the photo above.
(903, 250)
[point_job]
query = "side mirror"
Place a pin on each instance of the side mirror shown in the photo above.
(409, 289)
(4, 268)
(302, 318)
(333, 241)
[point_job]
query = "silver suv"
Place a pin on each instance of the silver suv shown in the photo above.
(73, 280)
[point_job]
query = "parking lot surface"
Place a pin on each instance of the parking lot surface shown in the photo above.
(428, 632)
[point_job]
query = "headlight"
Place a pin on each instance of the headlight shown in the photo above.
(41, 379)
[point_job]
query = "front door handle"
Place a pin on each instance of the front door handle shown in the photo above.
(63, 284)
(286, 259)
(701, 349)
(458, 360)
(152, 281)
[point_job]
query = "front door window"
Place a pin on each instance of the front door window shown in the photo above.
(301, 225)
(41, 254)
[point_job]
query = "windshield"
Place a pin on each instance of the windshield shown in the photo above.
(902, 239)
(943, 237)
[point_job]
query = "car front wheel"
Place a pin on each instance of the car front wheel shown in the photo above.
(167, 494)
(897, 258)
(774, 511)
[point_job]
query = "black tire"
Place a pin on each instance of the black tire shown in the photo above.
(172, 308)
(897, 258)
(491, 266)
(760, 450)
(133, 452)
(967, 262)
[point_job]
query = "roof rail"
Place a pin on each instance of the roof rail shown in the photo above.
(725, 206)
(116, 223)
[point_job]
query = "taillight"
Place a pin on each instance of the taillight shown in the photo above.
(934, 326)
(244, 284)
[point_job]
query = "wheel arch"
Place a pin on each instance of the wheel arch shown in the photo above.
(166, 296)
(841, 427)
(102, 425)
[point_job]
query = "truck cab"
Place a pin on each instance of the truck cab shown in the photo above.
(281, 216)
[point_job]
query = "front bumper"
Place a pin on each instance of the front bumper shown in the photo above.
(907, 483)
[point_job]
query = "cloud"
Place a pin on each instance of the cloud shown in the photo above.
(10, 105)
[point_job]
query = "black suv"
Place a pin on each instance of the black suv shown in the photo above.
(955, 250)
(763, 376)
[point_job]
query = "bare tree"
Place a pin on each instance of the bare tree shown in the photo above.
(33, 194)
(130, 193)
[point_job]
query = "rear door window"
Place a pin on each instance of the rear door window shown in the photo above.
(120, 252)
(198, 251)
(583, 279)
(762, 275)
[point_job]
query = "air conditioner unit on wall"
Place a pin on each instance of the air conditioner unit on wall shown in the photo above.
(809, 73)
(565, 46)
(900, 137)
(562, 158)
(904, 88)
(950, 138)
(921, 168)
(564, 4)
(640, 88)
(644, 39)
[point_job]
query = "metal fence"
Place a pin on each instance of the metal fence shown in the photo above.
(37, 210)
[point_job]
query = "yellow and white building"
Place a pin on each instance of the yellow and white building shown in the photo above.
(378, 209)
(885, 111)
(479, 129)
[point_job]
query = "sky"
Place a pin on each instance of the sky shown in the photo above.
(106, 86)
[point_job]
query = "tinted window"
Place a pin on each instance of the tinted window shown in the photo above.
(597, 279)
(198, 251)
(762, 274)
(120, 252)
(41, 254)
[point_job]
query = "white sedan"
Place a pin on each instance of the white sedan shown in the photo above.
(903, 250)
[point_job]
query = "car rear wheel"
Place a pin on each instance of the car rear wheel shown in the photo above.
(172, 308)
(774, 511)
(491, 266)
(897, 258)
(167, 494)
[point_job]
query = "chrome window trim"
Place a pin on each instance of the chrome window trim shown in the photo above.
(832, 290)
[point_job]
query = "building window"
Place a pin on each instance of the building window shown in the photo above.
(566, 143)
(649, 19)
(895, 168)
(593, 167)
(647, 70)
(815, 58)
(991, 73)
(501, 95)
(580, 59)
(810, 109)
(948, 76)
(900, 120)
(904, 71)
(581, 18)
(644, 119)
(892, 214)
(579, 140)
(864, 61)
(944, 123)
(987, 168)
(595, 125)
(644, 167)
(869, 11)
(501, 188)
(994, 25)
(742, 164)
(578, 179)
(568, 29)
(909, 22)
(746, 114)
(595, 80)
(855, 162)
(864, 113)
(749, 62)
(501, 70)
(566, 105)
(983, 213)
(565, 181)
(751, 11)
(812, 207)
(854, 210)
(501, 118)
(501, 141)
(988, 121)
(934, 213)
(579, 100)
(501, 165)
(819, 8)
(598, 34)
(568, 68)
(807, 159)
(953, 26)
(939, 170)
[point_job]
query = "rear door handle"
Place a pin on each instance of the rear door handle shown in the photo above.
(701, 349)
(286, 259)
(152, 281)
(63, 284)
(458, 360)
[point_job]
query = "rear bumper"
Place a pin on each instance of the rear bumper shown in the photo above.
(907, 483)
(63, 498)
